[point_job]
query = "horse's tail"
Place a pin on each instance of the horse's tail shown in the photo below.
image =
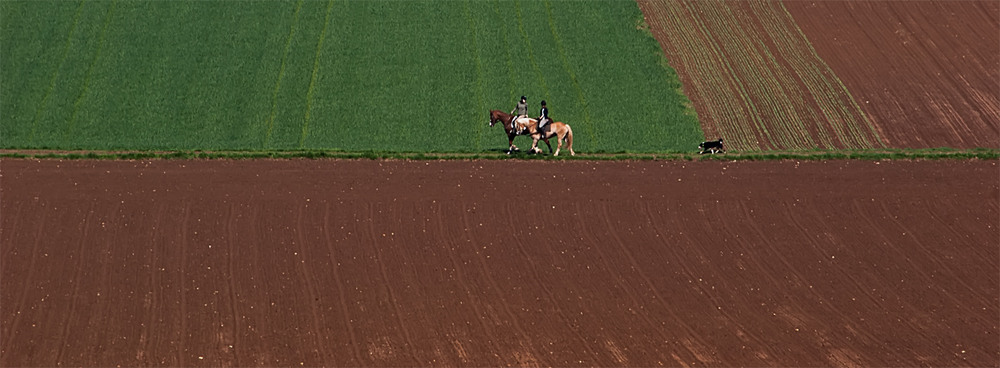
(569, 137)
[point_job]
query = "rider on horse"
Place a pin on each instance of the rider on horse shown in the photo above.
(522, 112)
(543, 119)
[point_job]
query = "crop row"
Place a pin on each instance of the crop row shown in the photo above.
(756, 79)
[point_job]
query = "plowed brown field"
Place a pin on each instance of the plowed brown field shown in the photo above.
(927, 73)
(466, 263)
(769, 75)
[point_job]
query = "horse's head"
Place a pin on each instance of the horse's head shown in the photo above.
(494, 117)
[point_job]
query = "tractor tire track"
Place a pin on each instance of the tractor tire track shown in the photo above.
(76, 280)
(811, 272)
(505, 305)
(341, 293)
(745, 247)
(151, 300)
(819, 248)
(303, 266)
(281, 75)
(619, 279)
(232, 291)
(939, 266)
(55, 73)
(488, 333)
(315, 72)
(183, 283)
(26, 284)
(71, 123)
(7, 233)
(799, 280)
(379, 258)
(695, 282)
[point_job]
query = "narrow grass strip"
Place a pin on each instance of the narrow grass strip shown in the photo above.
(55, 73)
(281, 74)
(866, 155)
(312, 81)
(71, 123)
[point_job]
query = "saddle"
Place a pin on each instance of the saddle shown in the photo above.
(516, 127)
(543, 124)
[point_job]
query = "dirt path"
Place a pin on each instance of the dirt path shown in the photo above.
(429, 263)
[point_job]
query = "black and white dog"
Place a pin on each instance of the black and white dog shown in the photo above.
(711, 147)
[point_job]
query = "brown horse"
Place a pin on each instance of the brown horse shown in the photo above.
(561, 131)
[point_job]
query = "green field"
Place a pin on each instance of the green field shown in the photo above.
(396, 76)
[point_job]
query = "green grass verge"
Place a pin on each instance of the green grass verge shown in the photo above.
(331, 75)
(888, 154)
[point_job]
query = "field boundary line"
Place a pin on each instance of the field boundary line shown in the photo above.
(281, 74)
(692, 60)
(816, 155)
(588, 124)
(55, 73)
(90, 72)
(312, 81)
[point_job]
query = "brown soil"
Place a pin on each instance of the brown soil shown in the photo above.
(754, 78)
(397, 263)
(769, 75)
(926, 72)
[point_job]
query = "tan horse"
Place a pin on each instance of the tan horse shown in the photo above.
(560, 130)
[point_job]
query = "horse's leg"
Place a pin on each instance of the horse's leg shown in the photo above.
(558, 144)
(549, 144)
(510, 141)
(569, 140)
